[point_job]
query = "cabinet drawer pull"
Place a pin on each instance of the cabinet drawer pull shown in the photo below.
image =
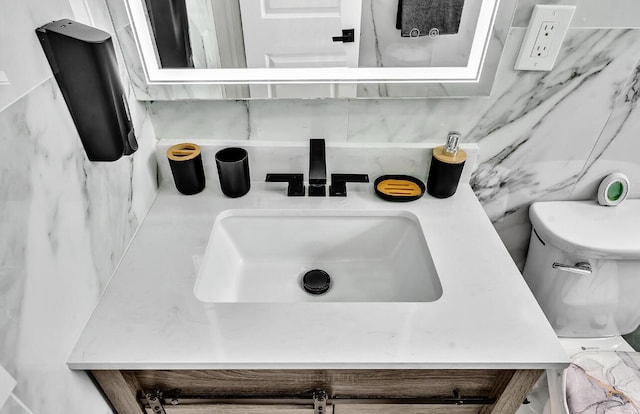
(319, 402)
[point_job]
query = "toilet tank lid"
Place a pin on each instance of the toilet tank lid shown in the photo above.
(589, 229)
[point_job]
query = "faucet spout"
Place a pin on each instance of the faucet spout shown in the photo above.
(317, 168)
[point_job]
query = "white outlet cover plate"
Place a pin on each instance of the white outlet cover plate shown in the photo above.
(7, 384)
(542, 14)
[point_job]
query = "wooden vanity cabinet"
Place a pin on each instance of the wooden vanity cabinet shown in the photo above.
(389, 391)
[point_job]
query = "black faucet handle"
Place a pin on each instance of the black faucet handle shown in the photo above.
(296, 183)
(338, 187)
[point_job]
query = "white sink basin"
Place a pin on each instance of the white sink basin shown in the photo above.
(371, 256)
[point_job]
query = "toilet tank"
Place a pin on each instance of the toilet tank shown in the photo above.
(605, 302)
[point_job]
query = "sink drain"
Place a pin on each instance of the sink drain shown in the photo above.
(316, 281)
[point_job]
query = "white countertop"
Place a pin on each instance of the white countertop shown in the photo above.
(149, 318)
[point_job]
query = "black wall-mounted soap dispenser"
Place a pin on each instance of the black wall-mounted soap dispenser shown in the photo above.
(84, 64)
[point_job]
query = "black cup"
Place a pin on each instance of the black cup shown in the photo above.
(233, 171)
(186, 167)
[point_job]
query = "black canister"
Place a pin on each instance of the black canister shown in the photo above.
(186, 167)
(233, 171)
(446, 167)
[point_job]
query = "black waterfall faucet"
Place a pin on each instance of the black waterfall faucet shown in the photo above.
(317, 168)
(317, 176)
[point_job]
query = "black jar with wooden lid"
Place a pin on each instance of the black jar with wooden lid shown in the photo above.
(446, 167)
(186, 167)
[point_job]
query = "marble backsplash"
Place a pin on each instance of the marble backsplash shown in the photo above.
(542, 135)
(341, 157)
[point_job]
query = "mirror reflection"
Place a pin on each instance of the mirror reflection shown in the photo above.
(313, 33)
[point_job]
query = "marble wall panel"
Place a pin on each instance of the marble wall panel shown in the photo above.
(184, 120)
(589, 13)
(21, 57)
(525, 8)
(13, 407)
(607, 14)
(536, 144)
(65, 221)
(276, 120)
(618, 147)
(535, 132)
(53, 280)
(298, 120)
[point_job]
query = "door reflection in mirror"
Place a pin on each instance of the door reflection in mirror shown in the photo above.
(300, 33)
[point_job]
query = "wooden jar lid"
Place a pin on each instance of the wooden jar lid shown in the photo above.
(459, 157)
(183, 152)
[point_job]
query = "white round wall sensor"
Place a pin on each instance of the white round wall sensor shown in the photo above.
(613, 189)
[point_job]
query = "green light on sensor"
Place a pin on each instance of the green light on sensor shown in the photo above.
(615, 191)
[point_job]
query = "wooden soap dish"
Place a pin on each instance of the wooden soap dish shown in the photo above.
(399, 188)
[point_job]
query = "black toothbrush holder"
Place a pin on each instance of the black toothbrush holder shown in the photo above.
(233, 171)
(185, 161)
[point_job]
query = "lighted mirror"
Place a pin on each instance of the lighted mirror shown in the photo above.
(237, 49)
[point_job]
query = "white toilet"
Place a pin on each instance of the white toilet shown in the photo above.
(583, 267)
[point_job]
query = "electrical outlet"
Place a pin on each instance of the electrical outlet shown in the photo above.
(546, 32)
(544, 41)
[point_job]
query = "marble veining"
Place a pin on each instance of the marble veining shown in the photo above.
(537, 149)
(65, 223)
(617, 145)
(589, 13)
(13, 407)
(12, 249)
(39, 219)
(18, 22)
